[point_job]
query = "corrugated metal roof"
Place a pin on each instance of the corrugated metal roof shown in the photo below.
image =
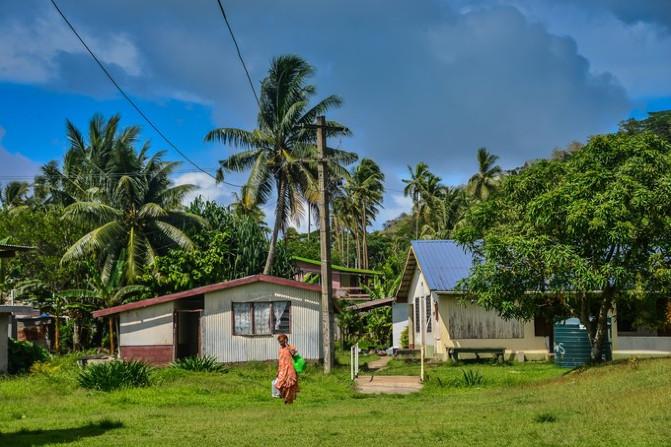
(444, 263)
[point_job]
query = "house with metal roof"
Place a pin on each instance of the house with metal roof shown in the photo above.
(233, 321)
(440, 318)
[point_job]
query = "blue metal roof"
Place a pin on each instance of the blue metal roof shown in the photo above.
(444, 263)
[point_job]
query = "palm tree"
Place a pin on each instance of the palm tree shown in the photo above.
(485, 181)
(89, 162)
(139, 216)
(364, 189)
(280, 153)
(14, 195)
(413, 188)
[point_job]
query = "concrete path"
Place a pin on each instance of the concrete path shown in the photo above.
(376, 384)
(379, 363)
(388, 384)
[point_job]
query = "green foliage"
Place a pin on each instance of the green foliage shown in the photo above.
(379, 327)
(109, 376)
(232, 246)
(22, 355)
(596, 221)
(200, 364)
(351, 324)
(405, 338)
(472, 377)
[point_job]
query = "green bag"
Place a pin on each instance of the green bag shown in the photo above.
(299, 363)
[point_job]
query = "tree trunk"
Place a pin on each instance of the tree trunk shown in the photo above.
(110, 325)
(364, 242)
(279, 211)
(417, 223)
(57, 334)
(76, 344)
(601, 329)
(309, 222)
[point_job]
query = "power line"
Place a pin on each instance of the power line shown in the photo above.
(128, 98)
(237, 48)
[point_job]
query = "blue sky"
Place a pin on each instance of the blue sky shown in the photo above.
(422, 81)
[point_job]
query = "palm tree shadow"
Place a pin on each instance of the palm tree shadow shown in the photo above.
(30, 438)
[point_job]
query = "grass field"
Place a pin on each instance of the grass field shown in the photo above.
(627, 404)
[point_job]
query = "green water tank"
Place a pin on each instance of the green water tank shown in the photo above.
(572, 346)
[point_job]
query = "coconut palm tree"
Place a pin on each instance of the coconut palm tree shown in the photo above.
(92, 164)
(364, 189)
(413, 188)
(280, 153)
(14, 195)
(485, 181)
(139, 216)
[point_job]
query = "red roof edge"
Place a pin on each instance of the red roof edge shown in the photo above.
(206, 289)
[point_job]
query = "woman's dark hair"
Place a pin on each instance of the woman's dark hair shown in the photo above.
(282, 337)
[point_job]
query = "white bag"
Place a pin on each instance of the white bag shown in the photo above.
(275, 391)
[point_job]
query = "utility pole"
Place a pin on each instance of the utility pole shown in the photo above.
(325, 249)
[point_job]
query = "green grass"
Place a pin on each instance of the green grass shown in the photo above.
(522, 405)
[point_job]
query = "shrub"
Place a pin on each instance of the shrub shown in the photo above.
(201, 364)
(405, 338)
(116, 374)
(22, 355)
(472, 377)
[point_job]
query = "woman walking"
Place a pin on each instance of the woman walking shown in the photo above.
(287, 379)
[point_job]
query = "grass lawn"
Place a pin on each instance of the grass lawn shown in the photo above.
(626, 404)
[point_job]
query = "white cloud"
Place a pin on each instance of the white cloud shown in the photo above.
(206, 187)
(394, 205)
(31, 46)
(15, 166)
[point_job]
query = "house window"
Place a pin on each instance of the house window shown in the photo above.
(262, 318)
(418, 318)
(427, 309)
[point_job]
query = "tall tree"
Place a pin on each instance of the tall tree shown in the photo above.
(14, 195)
(482, 183)
(137, 215)
(413, 188)
(280, 153)
(577, 234)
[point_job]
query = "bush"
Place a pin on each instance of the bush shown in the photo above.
(22, 355)
(116, 374)
(472, 377)
(405, 338)
(201, 364)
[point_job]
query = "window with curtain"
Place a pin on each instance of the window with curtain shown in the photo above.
(242, 318)
(262, 318)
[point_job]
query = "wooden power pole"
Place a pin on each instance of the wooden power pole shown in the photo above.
(325, 249)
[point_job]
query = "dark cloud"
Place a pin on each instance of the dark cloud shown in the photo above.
(421, 81)
(629, 11)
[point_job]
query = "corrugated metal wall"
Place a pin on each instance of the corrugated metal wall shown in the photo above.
(148, 326)
(216, 323)
(4, 327)
(467, 320)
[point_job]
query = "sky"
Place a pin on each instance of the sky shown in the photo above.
(421, 81)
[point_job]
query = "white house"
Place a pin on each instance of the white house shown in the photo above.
(439, 318)
(234, 321)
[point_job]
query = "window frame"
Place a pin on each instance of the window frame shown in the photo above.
(251, 304)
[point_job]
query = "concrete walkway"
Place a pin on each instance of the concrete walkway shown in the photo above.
(388, 384)
(376, 384)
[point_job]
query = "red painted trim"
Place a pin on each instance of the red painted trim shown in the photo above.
(153, 354)
(207, 289)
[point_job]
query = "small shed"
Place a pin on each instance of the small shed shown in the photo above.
(5, 319)
(233, 321)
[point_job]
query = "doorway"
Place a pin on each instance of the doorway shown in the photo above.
(187, 333)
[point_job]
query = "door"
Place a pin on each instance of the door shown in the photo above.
(187, 333)
(423, 319)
